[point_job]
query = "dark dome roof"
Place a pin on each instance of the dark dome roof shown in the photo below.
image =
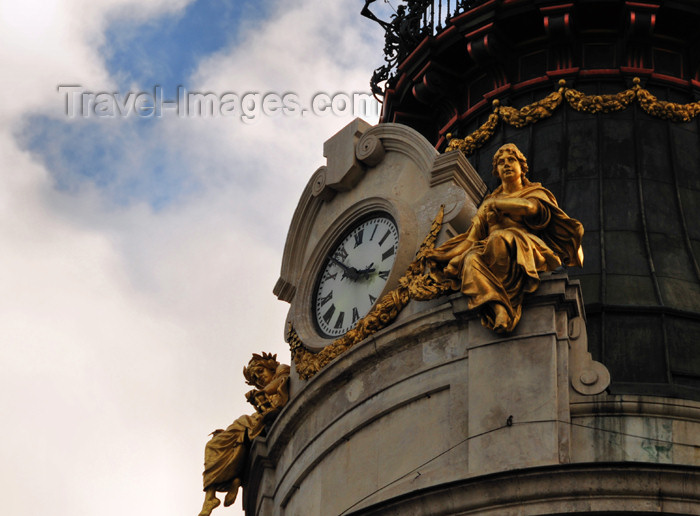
(633, 179)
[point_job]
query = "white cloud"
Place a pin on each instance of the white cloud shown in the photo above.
(44, 43)
(125, 328)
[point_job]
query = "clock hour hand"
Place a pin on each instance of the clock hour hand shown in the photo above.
(348, 272)
(366, 271)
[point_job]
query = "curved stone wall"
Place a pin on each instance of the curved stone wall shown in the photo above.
(436, 405)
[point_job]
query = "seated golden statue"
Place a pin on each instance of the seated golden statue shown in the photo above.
(518, 232)
(226, 453)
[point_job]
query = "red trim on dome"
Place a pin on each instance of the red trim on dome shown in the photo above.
(531, 82)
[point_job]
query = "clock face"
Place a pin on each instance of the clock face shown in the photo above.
(354, 275)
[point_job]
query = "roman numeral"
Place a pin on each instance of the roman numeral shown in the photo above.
(329, 276)
(339, 322)
(386, 235)
(358, 237)
(341, 254)
(373, 232)
(387, 253)
(383, 274)
(329, 314)
(372, 299)
(355, 315)
(325, 300)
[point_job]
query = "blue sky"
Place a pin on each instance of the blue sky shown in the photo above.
(141, 253)
(163, 51)
(168, 49)
(124, 158)
(96, 152)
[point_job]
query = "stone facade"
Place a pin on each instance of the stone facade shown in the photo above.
(435, 414)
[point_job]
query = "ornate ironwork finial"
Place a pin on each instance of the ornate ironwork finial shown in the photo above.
(411, 23)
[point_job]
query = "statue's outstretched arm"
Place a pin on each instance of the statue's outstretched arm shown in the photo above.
(511, 206)
(441, 254)
(460, 244)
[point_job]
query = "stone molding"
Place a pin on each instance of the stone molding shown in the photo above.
(628, 404)
(571, 489)
(454, 166)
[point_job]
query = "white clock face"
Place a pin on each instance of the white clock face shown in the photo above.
(354, 275)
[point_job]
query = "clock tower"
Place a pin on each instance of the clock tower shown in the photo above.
(401, 400)
(360, 221)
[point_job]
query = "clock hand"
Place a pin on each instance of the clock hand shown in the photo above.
(366, 271)
(349, 272)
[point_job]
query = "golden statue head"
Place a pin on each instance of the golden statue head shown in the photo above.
(261, 369)
(512, 149)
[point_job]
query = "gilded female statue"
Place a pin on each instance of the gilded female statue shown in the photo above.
(226, 453)
(518, 232)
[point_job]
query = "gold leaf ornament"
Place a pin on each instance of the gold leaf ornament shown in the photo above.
(579, 101)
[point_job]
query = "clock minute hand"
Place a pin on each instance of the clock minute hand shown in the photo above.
(349, 272)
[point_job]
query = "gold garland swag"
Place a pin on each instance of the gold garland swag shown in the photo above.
(580, 102)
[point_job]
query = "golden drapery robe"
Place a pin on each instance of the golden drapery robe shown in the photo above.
(507, 252)
(226, 453)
